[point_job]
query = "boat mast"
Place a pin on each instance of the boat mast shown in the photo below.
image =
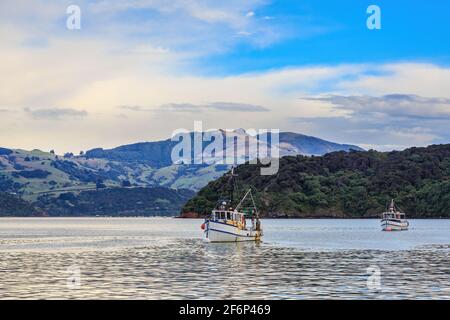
(392, 206)
(233, 185)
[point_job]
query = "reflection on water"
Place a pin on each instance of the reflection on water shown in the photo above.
(164, 259)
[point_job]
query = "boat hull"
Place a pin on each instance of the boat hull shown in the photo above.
(222, 232)
(394, 225)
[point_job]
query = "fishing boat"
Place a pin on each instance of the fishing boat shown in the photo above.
(233, 224)
(393, 219)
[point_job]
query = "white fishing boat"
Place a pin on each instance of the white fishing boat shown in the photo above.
(393, 219)
(228, 224)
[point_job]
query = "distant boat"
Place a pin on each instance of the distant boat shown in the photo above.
(226, 224)
(393, 219)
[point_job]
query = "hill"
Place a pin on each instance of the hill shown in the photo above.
(13, 206)
(340, 184)
(157, 201)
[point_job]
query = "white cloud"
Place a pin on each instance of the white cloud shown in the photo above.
(55, 113)
(210, 107)
(395, 106)
(422, 79)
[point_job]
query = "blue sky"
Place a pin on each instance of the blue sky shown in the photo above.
(138, 70)
(335, 32)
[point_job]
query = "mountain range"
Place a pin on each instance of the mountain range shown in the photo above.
(158, 154)
(40, 183)
(142, 164)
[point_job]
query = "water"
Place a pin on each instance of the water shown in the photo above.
(163, 258)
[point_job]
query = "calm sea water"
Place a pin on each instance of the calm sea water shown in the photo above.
(163, 258)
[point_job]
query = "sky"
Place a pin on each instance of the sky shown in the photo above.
(138, 70)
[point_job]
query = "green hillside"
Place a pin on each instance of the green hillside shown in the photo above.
(116, 202)
(32, 173)
(340, 184)
(13, 206)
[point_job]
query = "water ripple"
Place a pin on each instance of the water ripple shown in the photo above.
(138, 262)
(191, 269)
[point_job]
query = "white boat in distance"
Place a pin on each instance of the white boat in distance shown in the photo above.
(393, 219)
(226, 224)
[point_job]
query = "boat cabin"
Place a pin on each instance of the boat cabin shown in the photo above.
(225, 215)
(393, 215)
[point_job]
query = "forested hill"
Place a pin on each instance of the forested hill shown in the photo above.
(12, 205)
(340, 184)
(132, 201)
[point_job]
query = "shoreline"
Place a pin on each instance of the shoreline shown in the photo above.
(331, 218)
(200, 218)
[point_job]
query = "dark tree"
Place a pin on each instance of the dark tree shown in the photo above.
(126, 183)
(100, 184)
